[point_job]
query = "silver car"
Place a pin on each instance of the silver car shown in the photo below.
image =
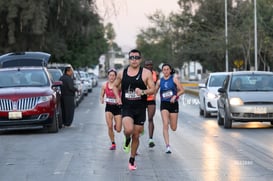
(86, 82)
(246, 96)
(208, 93)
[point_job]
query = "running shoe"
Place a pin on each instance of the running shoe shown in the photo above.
(126, 149)
(113, 147)
(132, 167)
(168, 150)
(151, 143)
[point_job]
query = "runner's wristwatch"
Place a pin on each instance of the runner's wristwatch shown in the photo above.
(143, 93)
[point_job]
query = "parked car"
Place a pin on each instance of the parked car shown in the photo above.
(249, 101)
(77, 82)
(94, 79)
(79, 95)
(86, 82)
(208, 93)
(13, 59)
(60, 66)
(55, 75)
(27, 95)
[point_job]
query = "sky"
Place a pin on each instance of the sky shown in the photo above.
(129, 16)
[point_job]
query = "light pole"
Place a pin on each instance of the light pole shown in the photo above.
(226, 35)
(255, 34)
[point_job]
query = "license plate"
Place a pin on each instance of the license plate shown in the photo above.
(260, 110)
(15, 115)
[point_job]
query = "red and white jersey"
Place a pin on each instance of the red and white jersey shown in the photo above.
(110, 96)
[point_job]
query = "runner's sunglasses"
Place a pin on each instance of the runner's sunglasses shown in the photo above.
(134, 57)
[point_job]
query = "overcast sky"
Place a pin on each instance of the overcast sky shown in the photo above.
(129, 16)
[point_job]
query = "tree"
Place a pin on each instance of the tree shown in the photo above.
(70, 30)
(197, 33)
(110, 33)
(157, 42)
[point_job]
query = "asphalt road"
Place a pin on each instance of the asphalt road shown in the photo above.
(200, 150)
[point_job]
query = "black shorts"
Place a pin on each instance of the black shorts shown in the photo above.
(151, 102)
(114, 109)
(171, 107)
(137, 114)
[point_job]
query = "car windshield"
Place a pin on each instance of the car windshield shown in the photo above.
(83, 75)
(252, 82)
(216, 80)
(55, 74)
(23, 78)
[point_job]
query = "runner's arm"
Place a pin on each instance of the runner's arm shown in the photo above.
(102, 93)
(180, 88)
(150, 84)
(117, 87)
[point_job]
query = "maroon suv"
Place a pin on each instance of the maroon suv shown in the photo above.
(27, 95)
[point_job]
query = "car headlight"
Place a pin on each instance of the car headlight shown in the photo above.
(44, 99)
(211, 95)
(235, 101)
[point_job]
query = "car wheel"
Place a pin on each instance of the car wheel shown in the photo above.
(227, 121)
(201, 112)
(206, 114)
(60, 116)
(220, 120)
(54, 127)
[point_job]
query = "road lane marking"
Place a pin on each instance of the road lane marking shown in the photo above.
(63, 165)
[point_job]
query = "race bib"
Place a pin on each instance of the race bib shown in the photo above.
(132, 96)
(167, 94)
(110, 100)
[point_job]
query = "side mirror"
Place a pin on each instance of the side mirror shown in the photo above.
(222, 90)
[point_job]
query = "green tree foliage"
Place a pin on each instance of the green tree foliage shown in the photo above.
(197, 32)
(110, 33)
(68, 29)
(157, 42)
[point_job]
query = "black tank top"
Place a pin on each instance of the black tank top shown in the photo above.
(128, 85)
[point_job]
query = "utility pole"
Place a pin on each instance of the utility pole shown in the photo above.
(226, 35)
(255, 34)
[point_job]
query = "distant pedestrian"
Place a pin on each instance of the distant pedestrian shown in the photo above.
(136, 83)
(67, 96)
(112, 109)
(170, 90)
(151, 105)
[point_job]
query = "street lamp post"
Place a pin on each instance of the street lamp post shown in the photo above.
(226, 35)
(255, 34)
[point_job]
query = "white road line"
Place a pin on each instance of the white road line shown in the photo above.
(63, 165)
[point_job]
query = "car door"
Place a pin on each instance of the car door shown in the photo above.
(202, 92)
(223, 95)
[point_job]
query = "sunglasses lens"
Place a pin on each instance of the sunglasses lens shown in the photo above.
(134, 57)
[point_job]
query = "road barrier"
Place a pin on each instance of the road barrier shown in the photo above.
(191, 88)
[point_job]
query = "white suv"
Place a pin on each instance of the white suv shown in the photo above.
(208, 93)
